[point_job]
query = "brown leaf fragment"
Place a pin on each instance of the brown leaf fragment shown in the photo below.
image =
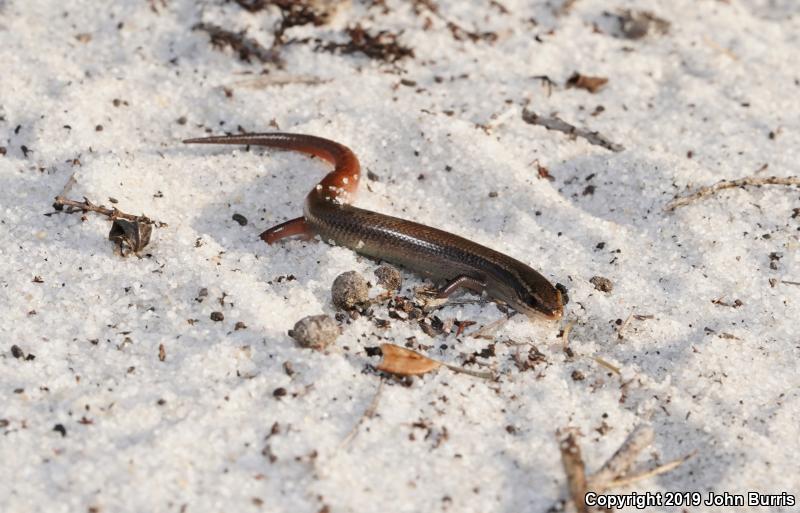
(405, 362)
(543, 172)
(591, 84)
(130, 235)
(162, 353)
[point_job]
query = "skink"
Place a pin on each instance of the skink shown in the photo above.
(431, 252)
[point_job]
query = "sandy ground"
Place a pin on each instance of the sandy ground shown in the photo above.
(122, 394)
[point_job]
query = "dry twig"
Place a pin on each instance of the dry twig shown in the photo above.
(661, 469)
(127, 231)
(623, 459)
(565, 333)
(88, 206)
(610, 366)
(559, 125)
(710, 190)
(264, 81)
(575, 470)
(368, 414)
(490, 329)
(615, 472)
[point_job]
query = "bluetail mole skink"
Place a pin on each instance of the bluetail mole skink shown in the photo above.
(431, 252)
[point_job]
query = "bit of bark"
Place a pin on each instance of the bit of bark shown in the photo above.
(559, 125)
(246, 47)
(591, 84)
(710, 190)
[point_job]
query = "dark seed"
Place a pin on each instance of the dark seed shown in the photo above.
(217, 316)
(239, 218)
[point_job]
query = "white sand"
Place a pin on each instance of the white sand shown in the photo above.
(714, 379)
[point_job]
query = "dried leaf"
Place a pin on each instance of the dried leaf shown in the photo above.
(133, 235)
(405, 362)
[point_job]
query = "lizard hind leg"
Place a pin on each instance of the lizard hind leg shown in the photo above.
(462, 282)
(291, 228)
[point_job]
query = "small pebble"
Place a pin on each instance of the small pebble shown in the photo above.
(279, 392)
(239, 218)
(16, 352)
(389, 277)
(217, 316)
(349, 289)
(602, 284)
(315, 331)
